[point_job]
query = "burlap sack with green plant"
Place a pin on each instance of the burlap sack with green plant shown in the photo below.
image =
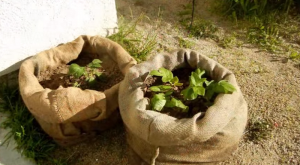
(71, 115)
(158, 138)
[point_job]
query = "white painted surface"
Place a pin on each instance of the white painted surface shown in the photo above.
(8, 154)
(30, 26)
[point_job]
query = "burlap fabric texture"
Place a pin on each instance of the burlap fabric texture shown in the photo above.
(71, 115)
(161, 139)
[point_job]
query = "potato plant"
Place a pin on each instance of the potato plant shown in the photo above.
(90, 72)
(164, 98)
(198, 88)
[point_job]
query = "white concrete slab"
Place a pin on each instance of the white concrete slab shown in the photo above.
(30, 26)
(8, 154)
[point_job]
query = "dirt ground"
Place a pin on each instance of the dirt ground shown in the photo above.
(269, 83)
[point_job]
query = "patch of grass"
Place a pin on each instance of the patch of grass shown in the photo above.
(185, 43)
(138, 44)
(295, 55)
(203, 29)
(267, 37)
(230, 41)
(259, 129)
(268, 22)
(31, 141)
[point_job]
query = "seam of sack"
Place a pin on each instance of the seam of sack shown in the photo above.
(56, 108)
(156, 154)
(149, 127)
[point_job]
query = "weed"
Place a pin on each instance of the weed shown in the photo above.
(31, 141)
(138, 45)
(259, 129)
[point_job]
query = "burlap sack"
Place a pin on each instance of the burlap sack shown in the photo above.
(161, 139)
(71, 115)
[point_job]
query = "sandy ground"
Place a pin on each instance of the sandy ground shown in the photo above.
(270, 87)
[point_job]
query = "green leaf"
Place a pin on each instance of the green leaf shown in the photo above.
(156, 73)
(218, 87)
(189, 94)
(200, 72)
(175, 103)
(170, 103)
(166, 75)
(210, 90)
(165, 87)
(90, 79)
(76, 70)
(199, 90)
(192, 81)
(96, 63)
(160, 88)
(155, 89)
(224, 87)
(208, 82)
(158, 101)
(195, 78)
(178, 84)
(97, 73)
(175, 81)
(168, 93)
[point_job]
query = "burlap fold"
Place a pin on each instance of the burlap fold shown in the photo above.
(161, 139)
(69, 115)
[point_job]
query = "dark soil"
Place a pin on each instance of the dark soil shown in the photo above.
(195, 106)
(59, 77)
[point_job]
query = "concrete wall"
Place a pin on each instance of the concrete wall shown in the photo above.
(30, 26)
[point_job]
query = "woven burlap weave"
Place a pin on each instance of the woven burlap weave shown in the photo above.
(161, 139)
